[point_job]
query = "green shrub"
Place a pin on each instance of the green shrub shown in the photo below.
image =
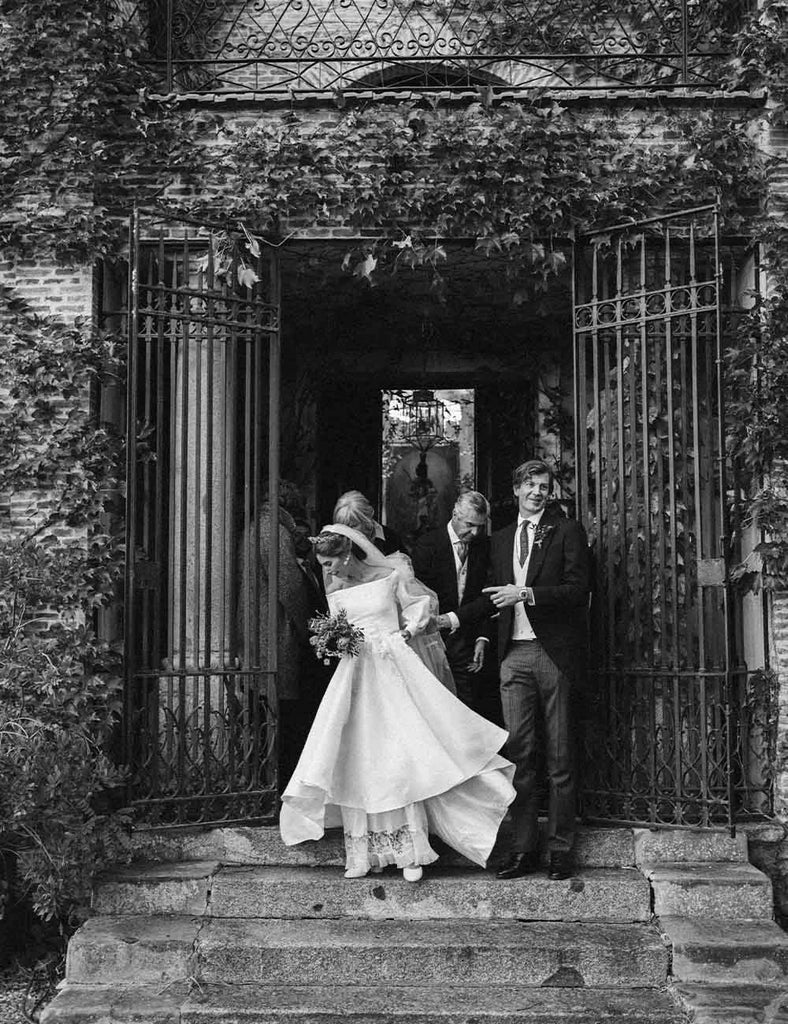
(60, 564)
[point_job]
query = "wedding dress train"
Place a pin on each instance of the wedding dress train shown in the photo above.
(392, 755)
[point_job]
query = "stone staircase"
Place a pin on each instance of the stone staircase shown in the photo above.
(230, 927)
(730, 960)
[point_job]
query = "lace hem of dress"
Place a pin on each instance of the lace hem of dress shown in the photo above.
(402, 846)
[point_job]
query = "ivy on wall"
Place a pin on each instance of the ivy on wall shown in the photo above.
(83, 137)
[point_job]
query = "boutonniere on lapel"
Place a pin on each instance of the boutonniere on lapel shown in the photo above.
(541, 533)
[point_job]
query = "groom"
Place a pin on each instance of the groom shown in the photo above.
(541, 565)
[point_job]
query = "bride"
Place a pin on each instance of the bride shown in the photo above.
(392, 755)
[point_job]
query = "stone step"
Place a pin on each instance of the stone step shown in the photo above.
(672, 846)
(613, 894)
(719, 891)
(337, 1004)
(727, 951)
(161, 888)
(139, 951)
(735, 1004)
(594, 847)
(142, 951)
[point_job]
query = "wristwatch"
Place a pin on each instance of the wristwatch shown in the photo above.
(522, 594)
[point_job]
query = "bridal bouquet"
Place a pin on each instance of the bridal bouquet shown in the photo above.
(334, 637)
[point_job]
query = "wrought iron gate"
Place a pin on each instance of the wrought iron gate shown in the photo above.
(201, 573)
(652, 494)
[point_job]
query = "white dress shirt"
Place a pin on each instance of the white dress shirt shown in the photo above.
(521, 626)
(461, 568)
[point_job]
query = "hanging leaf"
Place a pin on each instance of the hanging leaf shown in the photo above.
(247, 278)
(365, 267)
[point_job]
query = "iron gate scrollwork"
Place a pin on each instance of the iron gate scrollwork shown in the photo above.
(291, 46)
(652, 494)
(201, 588)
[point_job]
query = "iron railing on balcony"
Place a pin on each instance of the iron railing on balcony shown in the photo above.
(295, 46)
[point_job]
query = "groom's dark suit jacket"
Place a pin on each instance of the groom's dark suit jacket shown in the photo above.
(433, 564)
(558, 573)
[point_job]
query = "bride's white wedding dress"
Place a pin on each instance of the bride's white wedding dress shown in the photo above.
(392, 755)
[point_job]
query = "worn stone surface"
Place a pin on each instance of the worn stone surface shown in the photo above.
(155, 889)
(594, 847)
(457, 1004)
(717, 891)
(735, 1004)
(431, 952)
(727, 951)
(655, 846)
(597, 893)
(130, 951)
(78, 1004)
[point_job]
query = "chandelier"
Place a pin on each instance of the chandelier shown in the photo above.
(425, 420)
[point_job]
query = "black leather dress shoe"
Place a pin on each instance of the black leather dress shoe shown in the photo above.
(519, 864)
(561, 867)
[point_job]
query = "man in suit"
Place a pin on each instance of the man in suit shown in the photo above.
(453, 561)
(540, 564)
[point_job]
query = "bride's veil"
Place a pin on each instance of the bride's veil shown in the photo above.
(413, 589)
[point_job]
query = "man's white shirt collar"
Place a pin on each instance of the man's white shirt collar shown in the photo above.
(531, 519)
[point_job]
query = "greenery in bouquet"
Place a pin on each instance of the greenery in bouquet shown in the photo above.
(334, 637)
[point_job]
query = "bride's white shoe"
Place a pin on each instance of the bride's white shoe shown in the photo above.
(356, 872)
(412, 874)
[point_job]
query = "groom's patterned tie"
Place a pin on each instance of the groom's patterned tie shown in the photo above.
(523, 542)
(462, 551)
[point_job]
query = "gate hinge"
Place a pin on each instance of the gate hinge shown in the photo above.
(711, 572)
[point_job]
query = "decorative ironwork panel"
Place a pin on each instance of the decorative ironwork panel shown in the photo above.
(652, 492)
(200, 709)
(339, 45)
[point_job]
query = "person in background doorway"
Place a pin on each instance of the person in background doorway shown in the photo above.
(385, 539)
(453, 561)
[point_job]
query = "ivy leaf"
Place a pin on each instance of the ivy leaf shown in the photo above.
(364, 268)
(247, 278)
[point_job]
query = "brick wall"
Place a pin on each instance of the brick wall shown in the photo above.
(769, 840)
(52, 290)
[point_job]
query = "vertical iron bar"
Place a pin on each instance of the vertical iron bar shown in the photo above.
(235, 536)
(724, 539)
(622, 478)
(254, 627)
(185, 337)
(131, 487)
(170, 75)
(684, 42)
(644, 416)
(207, 300)
(161, 447)
(703, 721)
(274, 377)
(176, 505)
(581, 429)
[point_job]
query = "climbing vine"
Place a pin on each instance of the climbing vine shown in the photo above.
(83, 136)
